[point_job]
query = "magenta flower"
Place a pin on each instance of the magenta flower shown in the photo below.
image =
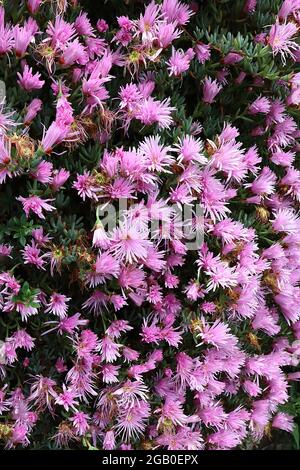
(36, 205)
(29, 81)
(250, 6)
(54, 135)
(210, 90)
(260, 105)
(58, 305)
(74, 53)
(102, 26)
(22, 37)
(153, 111)
(202, 52)
(59, 178)
(232, 58)
(32, 110)
(157, 156)
(179, 61)
(280, 39)
(33, 6)
(283, 421)
(6, 35)
(31, 255)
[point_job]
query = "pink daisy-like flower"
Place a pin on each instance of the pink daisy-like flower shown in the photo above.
(153, 111)
(29, 81)
(131, 421)
(210, 90)
(157, 156)
(67, 398)
(179, 61)
(85, 186)
(106, 267)
(80, 422)
(109, 349)
(280, 39)
(217, 334)
(36, 205)
(202, 52)
(260, 105)
(58, 305)
(31, 255)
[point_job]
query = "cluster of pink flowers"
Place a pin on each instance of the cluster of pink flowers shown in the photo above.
(169, 344)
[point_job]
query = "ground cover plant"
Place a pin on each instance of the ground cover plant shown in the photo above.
(149, 224)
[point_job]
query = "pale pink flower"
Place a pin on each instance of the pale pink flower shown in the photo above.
(36, 205)
(29, 81)
(210, 90)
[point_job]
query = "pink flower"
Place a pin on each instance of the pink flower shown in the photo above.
(285, 220)
(232, 58)
(60, 32)
(6, 35)
(21, 339)
(264, 183)
(166, 34)
(74, 53)
(179, 61)
(5, 250)
(59, 178)
(250, 6)
(176, 11)
(85, 186)
(118, 302)
(106, 267)
(283, 421)
(157, 156)
(202, 52)
(210, 90)
(129, 243)
(153, 111)
(287, 8)
(36, 205)
(260, 105)
(280, 39)
(218, 335)
(29, 81)
(109, 442)
(58, 305)
(32, 110)
(100, 237)
(117, 327)
(102, 26)
(80, 422)
(60, 365)
(224, 439)
(110, 373)
(22, 37)
(31, 255)
(54, 135)
(67, 399)
(131, 421)
(83, 25)
(33, 6)
(109, 349)
(43, 172)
